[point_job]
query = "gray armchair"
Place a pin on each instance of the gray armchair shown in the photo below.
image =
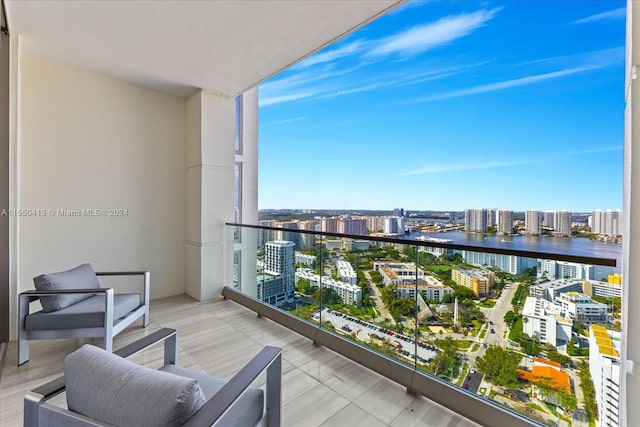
(75, 306)
(105, 389)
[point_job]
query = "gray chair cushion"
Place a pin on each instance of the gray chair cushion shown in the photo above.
(88, 313)
(247, 411)
(106, 387)
(81, 277)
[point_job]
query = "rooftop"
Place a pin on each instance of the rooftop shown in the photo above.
(320, 387)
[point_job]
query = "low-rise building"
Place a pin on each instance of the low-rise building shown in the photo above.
(304, 259)
(398, 273)
(346, 272)
(430, 288)
(550, 290)
(479, 281)
(350, 294)
(602, 289)
(542, 319)
(580, 308)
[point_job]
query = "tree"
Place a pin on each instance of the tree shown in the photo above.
(501, 365)
(303, 286)
(509, 317)
(327, 295)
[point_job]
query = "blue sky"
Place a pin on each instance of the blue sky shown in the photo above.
(445, 105)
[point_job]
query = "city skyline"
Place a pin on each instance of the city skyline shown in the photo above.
(447, 105)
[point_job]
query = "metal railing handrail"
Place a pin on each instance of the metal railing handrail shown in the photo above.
(607, 262)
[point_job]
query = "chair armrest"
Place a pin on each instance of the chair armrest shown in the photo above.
(41, 394)
(37, 293)
(218, 405)
(147, 279)
(121, 273)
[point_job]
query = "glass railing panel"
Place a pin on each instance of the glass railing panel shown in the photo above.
(517, 330)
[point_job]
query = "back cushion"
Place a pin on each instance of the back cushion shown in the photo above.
(106, 387)
(81, 277)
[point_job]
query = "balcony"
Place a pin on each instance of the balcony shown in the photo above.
(343, 292)
(320, 387)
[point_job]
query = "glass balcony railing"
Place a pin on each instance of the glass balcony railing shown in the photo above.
(512, 328)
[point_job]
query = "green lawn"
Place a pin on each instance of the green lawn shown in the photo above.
(483, 332)
(490, 303)
(440, 268)
(460, 344)
(476, 347)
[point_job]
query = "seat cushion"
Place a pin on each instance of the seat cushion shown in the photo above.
(88, 313)
(247, 411)
(106, 387)
(81, 277)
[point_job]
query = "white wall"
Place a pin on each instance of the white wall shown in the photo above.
(90, 141)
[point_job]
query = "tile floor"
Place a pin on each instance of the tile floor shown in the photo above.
(320, 387)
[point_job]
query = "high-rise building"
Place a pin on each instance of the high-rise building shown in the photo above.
(375, 224)
(279, 261)
(329, 225)
(475, 220)
(505, 221)
(398, 212)
(452, 216)
(492, 219)
(604, 367)
(606, 222)
(352, 226)
(533, 222)
(394, 225)
(549, 219)
(564, 223)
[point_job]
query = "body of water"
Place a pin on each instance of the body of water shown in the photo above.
(557, 245)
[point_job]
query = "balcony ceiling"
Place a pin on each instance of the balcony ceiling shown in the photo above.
(180, 47)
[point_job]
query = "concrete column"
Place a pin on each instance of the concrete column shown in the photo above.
(209, 193)
(249, 159)
(630, 387)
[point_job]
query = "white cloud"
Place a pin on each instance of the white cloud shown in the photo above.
(264, 101)
(507, 84)
(476, 165)
(429, 36)
(612, 14)
(331, 55)
(440, 168)
(282, 122)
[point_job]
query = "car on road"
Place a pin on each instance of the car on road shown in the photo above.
(465, 386)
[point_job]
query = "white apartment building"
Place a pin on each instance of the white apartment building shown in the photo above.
(346, 272)
(580, 308)
(543, 319)
(601, 289)
(505, 221)
(394, 225)
(533, 222)
(508, 263)
(350, 294)
(549, 219)
(397, 273)
(429, 290)
(550, 290)
(492, 217)
(304, 259)
(604, 367)
(564, 223)
(606, 222)
(475, 220)
(564, 270)
(375, 224)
